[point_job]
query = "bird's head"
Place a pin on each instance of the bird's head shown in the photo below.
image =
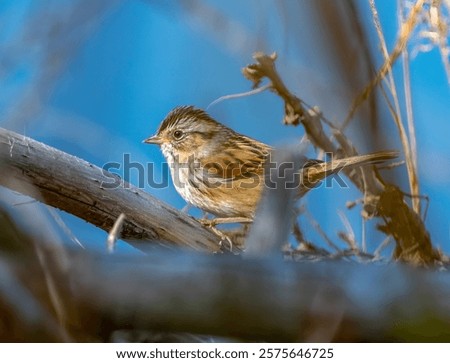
(187, 129)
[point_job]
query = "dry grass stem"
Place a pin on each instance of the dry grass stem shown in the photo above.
(409, 145)
(64, 227)
(435, 32)
(351, 240)
(321, 232)
(405, 32)
(239, 95)
(114, 233)
(409, 112)
(381, 247)
(51, 282)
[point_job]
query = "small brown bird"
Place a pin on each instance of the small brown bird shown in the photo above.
(221, 171)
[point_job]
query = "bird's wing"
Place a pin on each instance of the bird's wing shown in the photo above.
(240, 158)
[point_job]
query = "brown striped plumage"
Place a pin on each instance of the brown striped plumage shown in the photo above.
(221, 171)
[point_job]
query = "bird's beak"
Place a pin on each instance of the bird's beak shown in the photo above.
(155, 139)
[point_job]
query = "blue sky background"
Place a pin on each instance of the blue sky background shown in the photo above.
(95, 85)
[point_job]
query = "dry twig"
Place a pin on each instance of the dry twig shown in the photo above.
(366, 179)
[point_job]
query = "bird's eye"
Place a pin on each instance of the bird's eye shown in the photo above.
(177, 134)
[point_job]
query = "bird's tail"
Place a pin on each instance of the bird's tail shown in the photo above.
(320, 170)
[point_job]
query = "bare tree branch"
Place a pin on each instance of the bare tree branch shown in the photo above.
(80, 188)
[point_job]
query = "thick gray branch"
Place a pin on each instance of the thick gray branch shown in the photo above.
(78, 187)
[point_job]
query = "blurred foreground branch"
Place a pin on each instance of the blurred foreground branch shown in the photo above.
(274, 300)
(78, 187)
